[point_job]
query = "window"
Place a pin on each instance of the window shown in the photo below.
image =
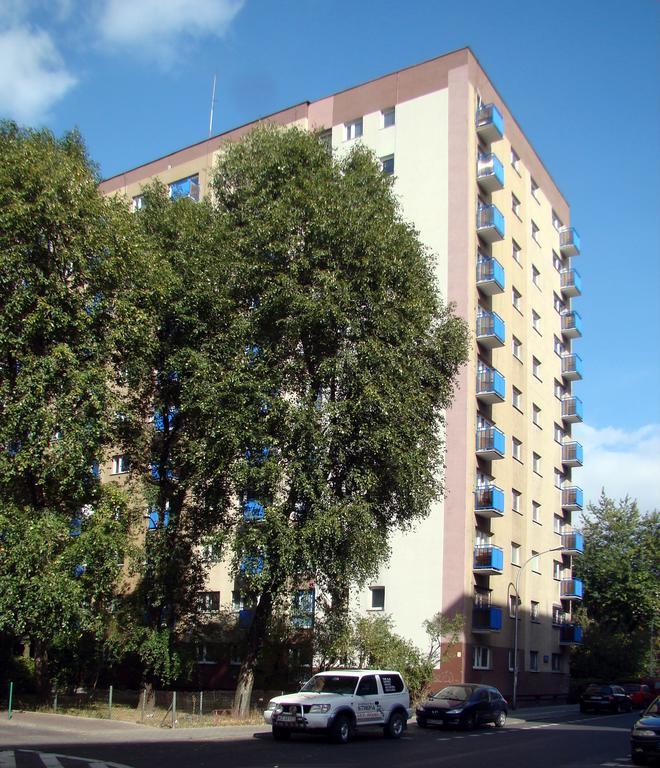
(516, 398)
(515, 205)
(302, 609)
(516, 298)
(480, 657)
(353, 130)
(536, 321)
(237, 601)
(557, 570)
(536, 276)
(535, 233)
(558, 304)
(516, 448)
(387, 164)
(559, 478)
(558, 346)
(515, 252)
(209, 602)
(534, 612)
(534, 187)
(137, 203)
(205, 654)
(515, 553)
(536, 463)
(533, 661)
(536, 562)
(536, 368)
(556, 221)
(515, 500)
(515, 160)
(558, 433)
(560, 390)
(235, 656)
(389, 117)
(517, 348)
(557, 262)
(512, 606)
(536, 415)
(557, 523)
(325, 138)
(211, 552)
(120, 464)
(557, 615)
(556, 662)
(377, 598)
(367, 686)
(536, 512)
(188, 187)
(511, 660)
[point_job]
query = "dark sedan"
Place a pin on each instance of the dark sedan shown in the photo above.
(610, 698)
(645, 735)
(466, 706)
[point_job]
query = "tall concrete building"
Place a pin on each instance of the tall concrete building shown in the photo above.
(503, 248)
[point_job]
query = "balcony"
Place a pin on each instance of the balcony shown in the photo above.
(490, 329)
(188, 187)
(571, 454)
(488, 560)
(490, 275)
(572, 543)
(571, 366)
(570, 634)
(569, 241)
(253, 511)
(251, 565)
(571, 589)
(489, 501)
(490, 172)
(490, 123)
(572, 498)
(490, 443)
(571, 325)
(486, 619)
(490, 223)
(571, 283)
(571, 409)
(491, 385)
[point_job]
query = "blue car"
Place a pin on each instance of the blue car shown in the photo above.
(464, 705)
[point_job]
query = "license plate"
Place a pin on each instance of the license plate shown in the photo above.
(286, 718)
(435, 721)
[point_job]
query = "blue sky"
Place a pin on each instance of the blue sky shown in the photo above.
(581, 77)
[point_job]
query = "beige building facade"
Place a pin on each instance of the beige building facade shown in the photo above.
(498, 229)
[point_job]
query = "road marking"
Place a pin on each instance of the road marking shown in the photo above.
(51, 760)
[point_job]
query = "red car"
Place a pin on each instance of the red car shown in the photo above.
(640, 694)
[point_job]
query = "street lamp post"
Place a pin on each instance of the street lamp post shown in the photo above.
(515, 629)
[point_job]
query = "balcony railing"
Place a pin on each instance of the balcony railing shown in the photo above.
(572, 454)
(569, 241)
(571, 409)
(486, 619)
(490, 123)
(490, 223)
(571, 282)
(571, 589)
(572, 543)
(488, 560)
(251, 565)
(491, 385)
(571, 366)
(571, 325)
(490, 443)
(253, 511)
(572, 498)
(489, 501)
(490, 172)
(570, 634)
(490, 329)
(490, 275)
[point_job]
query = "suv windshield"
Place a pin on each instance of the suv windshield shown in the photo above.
(455, 693)
(331, 684)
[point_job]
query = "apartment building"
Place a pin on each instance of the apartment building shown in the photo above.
(503, 247)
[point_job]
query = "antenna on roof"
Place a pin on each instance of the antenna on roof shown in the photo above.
(212, 106)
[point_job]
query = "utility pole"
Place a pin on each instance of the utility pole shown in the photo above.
(212, 106)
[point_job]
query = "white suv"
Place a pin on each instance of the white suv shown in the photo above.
(339, 701)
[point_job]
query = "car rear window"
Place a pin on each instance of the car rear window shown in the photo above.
(598, 689)
(631, 688)
(391, 683)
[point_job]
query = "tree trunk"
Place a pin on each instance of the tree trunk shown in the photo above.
(255, 638)
(41, 670)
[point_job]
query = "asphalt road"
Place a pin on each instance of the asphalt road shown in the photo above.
(557, 737)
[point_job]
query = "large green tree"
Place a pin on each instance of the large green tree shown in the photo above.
(349, 360)
(65, 252)
(620, 568)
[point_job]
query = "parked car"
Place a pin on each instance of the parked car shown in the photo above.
(639, 693)
(645, 735)
(610, 698)
(338, 702)
(467, 705)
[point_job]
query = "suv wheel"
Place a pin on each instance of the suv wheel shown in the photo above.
(340, 730)
(396, 726)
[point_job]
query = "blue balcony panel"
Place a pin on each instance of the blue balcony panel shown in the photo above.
(490, 275)
(570, 634)
(571, 366)
(488, 560)
(572, 454)
(571, 325)
(571, 589)
(569, 241)
(491, 385)
(571, 409)
(489, 123)
(489, 501)
(253, 511)
(245, 618)
(490, 172)
(572, 543)
(491, 331)
(490, 443)
(571, 283)
(572, 498)
(486, 619)
(251, 565)
(490, 223)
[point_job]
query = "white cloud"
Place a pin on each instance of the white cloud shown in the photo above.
(33, 76)
(155, 27)
(624, 463)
